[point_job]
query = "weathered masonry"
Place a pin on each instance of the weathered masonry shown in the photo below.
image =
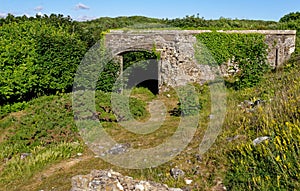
(177, 65)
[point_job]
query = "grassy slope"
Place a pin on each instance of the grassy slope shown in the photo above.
(54, 147)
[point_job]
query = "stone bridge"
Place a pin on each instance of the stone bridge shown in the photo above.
(177, 64)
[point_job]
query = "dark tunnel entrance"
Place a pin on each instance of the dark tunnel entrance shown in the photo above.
(140, 69)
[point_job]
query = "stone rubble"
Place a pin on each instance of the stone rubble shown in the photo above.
(249, 106)
(108, 180)
(119, 149)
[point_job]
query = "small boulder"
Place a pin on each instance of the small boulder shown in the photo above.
(260, 140)
(24, 155)
(119, 149)
(177, 173)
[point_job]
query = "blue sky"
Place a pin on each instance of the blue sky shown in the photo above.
(209, 9)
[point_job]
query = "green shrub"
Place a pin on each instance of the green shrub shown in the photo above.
(190, 100)
(37, 58)
(290, 17)
(104, 109)
(137, 108)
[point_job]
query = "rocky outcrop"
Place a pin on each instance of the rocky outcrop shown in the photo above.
(108, 180)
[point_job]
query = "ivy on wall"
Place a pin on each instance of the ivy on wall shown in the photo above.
(248, 51)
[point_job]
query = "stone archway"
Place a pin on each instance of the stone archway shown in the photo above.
(177, 65)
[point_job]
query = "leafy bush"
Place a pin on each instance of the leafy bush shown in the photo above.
(59, 55)
(37, 58)
(190, 101)
(136, 108)
(290, 17)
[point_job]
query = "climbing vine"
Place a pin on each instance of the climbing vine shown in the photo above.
(248, 51)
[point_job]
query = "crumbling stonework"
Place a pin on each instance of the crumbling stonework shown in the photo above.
(177, 65)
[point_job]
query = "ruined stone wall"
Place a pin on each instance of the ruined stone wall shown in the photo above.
(178, 65)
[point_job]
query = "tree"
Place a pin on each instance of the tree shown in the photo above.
(290, 17)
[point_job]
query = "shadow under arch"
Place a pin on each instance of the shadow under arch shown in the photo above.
(140, 67)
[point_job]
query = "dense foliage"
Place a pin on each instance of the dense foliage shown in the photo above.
(37, 58)
(105, 110)
(222, 23)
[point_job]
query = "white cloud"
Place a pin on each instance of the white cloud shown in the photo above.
(3, 15)
(81, 6)
(38, 8)
(85, 18)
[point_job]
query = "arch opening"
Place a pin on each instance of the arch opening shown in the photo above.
(142, 70)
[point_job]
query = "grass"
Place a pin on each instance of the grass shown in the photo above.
(274, 164)
(46, 129)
